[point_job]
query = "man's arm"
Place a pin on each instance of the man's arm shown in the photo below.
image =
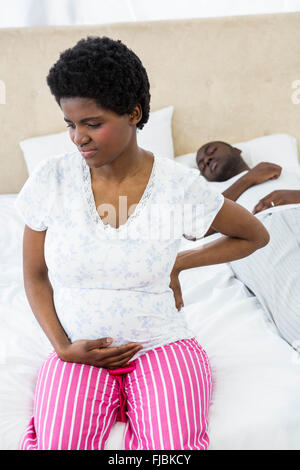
(239, 187)
(277, 198)
(262, 172)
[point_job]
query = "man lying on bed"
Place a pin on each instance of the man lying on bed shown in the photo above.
(273, 194)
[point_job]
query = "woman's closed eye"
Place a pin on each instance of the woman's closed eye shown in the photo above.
(94, 126)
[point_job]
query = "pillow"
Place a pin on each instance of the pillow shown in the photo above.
(188, 159)
(156, 136)
(276, 148)
(37, 149)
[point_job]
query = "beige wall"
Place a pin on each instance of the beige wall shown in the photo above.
(228, 78)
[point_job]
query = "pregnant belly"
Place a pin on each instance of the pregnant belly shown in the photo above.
(123, 315)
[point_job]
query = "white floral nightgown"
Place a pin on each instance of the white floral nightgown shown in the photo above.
(110, 282)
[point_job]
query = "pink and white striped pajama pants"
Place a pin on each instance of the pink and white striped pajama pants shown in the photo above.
(165, 397)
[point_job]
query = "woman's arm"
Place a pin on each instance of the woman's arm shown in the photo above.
(39, 293)
(243, 234)
(39, 290)
(234, 192)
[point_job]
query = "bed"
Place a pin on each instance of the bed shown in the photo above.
(256, 384)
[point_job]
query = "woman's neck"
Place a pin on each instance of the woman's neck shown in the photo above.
(124, 166)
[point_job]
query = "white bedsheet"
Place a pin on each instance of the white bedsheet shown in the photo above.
(256, 375)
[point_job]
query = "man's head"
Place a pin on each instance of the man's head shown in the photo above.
(219, 161)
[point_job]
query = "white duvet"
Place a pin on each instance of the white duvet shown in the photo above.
(256, 374)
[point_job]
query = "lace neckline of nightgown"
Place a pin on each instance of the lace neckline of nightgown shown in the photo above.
(87, 183)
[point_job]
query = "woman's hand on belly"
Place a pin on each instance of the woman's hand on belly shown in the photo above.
(97, 353)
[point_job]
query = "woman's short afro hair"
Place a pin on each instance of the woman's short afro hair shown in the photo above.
(105, 70)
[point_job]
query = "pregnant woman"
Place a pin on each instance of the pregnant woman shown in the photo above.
(103, 227)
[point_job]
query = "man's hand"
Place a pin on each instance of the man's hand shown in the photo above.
(260, 173)
(264, 171)
(97, 353)
(278, 198)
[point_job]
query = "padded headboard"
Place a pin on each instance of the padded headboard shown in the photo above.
(228, 78)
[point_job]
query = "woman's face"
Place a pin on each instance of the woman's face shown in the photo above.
(100, 135)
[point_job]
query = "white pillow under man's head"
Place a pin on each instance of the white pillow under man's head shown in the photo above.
(276, 148)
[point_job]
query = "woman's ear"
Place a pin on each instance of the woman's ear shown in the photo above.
(136, 115)
(237, 150)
